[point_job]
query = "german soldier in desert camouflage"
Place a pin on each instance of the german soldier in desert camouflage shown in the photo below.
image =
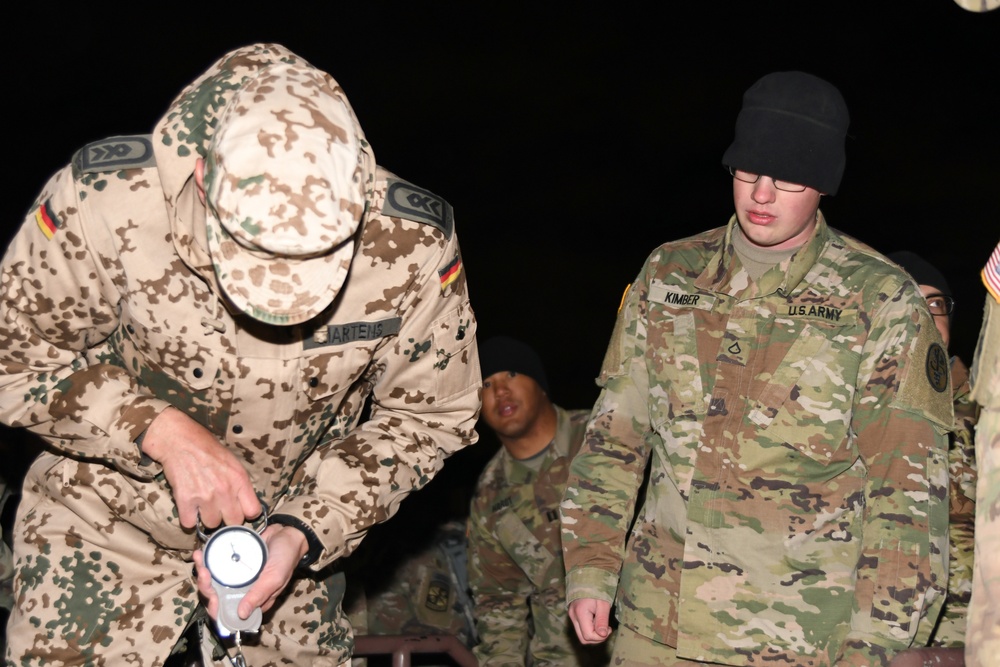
(194, 320)
(790, 392)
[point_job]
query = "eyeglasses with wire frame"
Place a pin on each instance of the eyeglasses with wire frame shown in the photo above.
(750, 177)
(940, 304)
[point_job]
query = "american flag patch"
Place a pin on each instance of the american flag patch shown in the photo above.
(450, 273)
(991, 273)
(46, 221)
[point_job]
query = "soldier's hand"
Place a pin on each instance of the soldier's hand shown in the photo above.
(590, 619)
(285, 548)
(204, 476)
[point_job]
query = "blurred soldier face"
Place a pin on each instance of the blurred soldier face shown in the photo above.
(512, 403)
(773, 218)
(942, 322)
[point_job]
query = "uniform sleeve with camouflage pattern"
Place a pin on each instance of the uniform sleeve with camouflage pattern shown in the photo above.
(951, 627)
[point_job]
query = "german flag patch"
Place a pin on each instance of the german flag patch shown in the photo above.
(47, 222)
(450, 273)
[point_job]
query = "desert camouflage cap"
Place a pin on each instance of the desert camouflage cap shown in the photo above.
(283, 184)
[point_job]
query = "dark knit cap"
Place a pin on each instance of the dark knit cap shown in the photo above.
(921, 270)
(502, 353)
(792, 128)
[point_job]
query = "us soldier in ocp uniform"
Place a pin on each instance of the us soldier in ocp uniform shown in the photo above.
(515, 557)
(951, 626)
(791, 393)
(982, 640)
(194, 320)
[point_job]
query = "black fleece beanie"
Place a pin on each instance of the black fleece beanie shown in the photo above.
(503, 353)
(792, 127)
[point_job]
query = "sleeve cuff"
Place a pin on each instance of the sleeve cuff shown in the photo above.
(127, 435)
(591, 582)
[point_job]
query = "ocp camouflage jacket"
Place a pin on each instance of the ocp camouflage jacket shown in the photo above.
(795, 426)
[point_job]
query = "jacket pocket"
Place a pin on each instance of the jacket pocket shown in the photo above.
(807, 401)
(451, 337)
(675, 370)
(162, 361)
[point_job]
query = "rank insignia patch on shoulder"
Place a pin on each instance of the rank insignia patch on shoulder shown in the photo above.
(450, 273)
(47, 222)
(114, 153)
(937, 367)
(405, 200)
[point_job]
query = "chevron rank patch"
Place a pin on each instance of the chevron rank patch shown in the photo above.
(450, 273)
(47, 222)
(407, 201)
(114, 153)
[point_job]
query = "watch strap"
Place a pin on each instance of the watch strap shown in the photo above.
(315, 546)
(144, 459)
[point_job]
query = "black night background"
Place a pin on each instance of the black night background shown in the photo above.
(571, 138)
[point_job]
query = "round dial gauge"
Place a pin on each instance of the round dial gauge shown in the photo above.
(978, 6)
(235, 555)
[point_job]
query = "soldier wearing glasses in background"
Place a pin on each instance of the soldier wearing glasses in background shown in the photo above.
(791, 396)
(950, 630)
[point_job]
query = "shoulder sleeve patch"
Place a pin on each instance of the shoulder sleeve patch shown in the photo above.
(937, 367)
(405, 200)
(617, 358)
(114, 153)
(925, 387)
(47, 221)
(449, 274)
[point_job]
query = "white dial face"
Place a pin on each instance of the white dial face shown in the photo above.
(235, 555)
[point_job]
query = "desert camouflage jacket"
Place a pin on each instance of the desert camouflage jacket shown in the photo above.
(515, 555)
(795, 428)
(111, 313)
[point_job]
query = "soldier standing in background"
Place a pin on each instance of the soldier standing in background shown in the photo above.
(789, 389)
(982, 644)
(515, 557)
(193, 321)
(951, 626)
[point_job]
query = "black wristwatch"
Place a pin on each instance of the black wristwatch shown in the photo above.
(315, 546)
